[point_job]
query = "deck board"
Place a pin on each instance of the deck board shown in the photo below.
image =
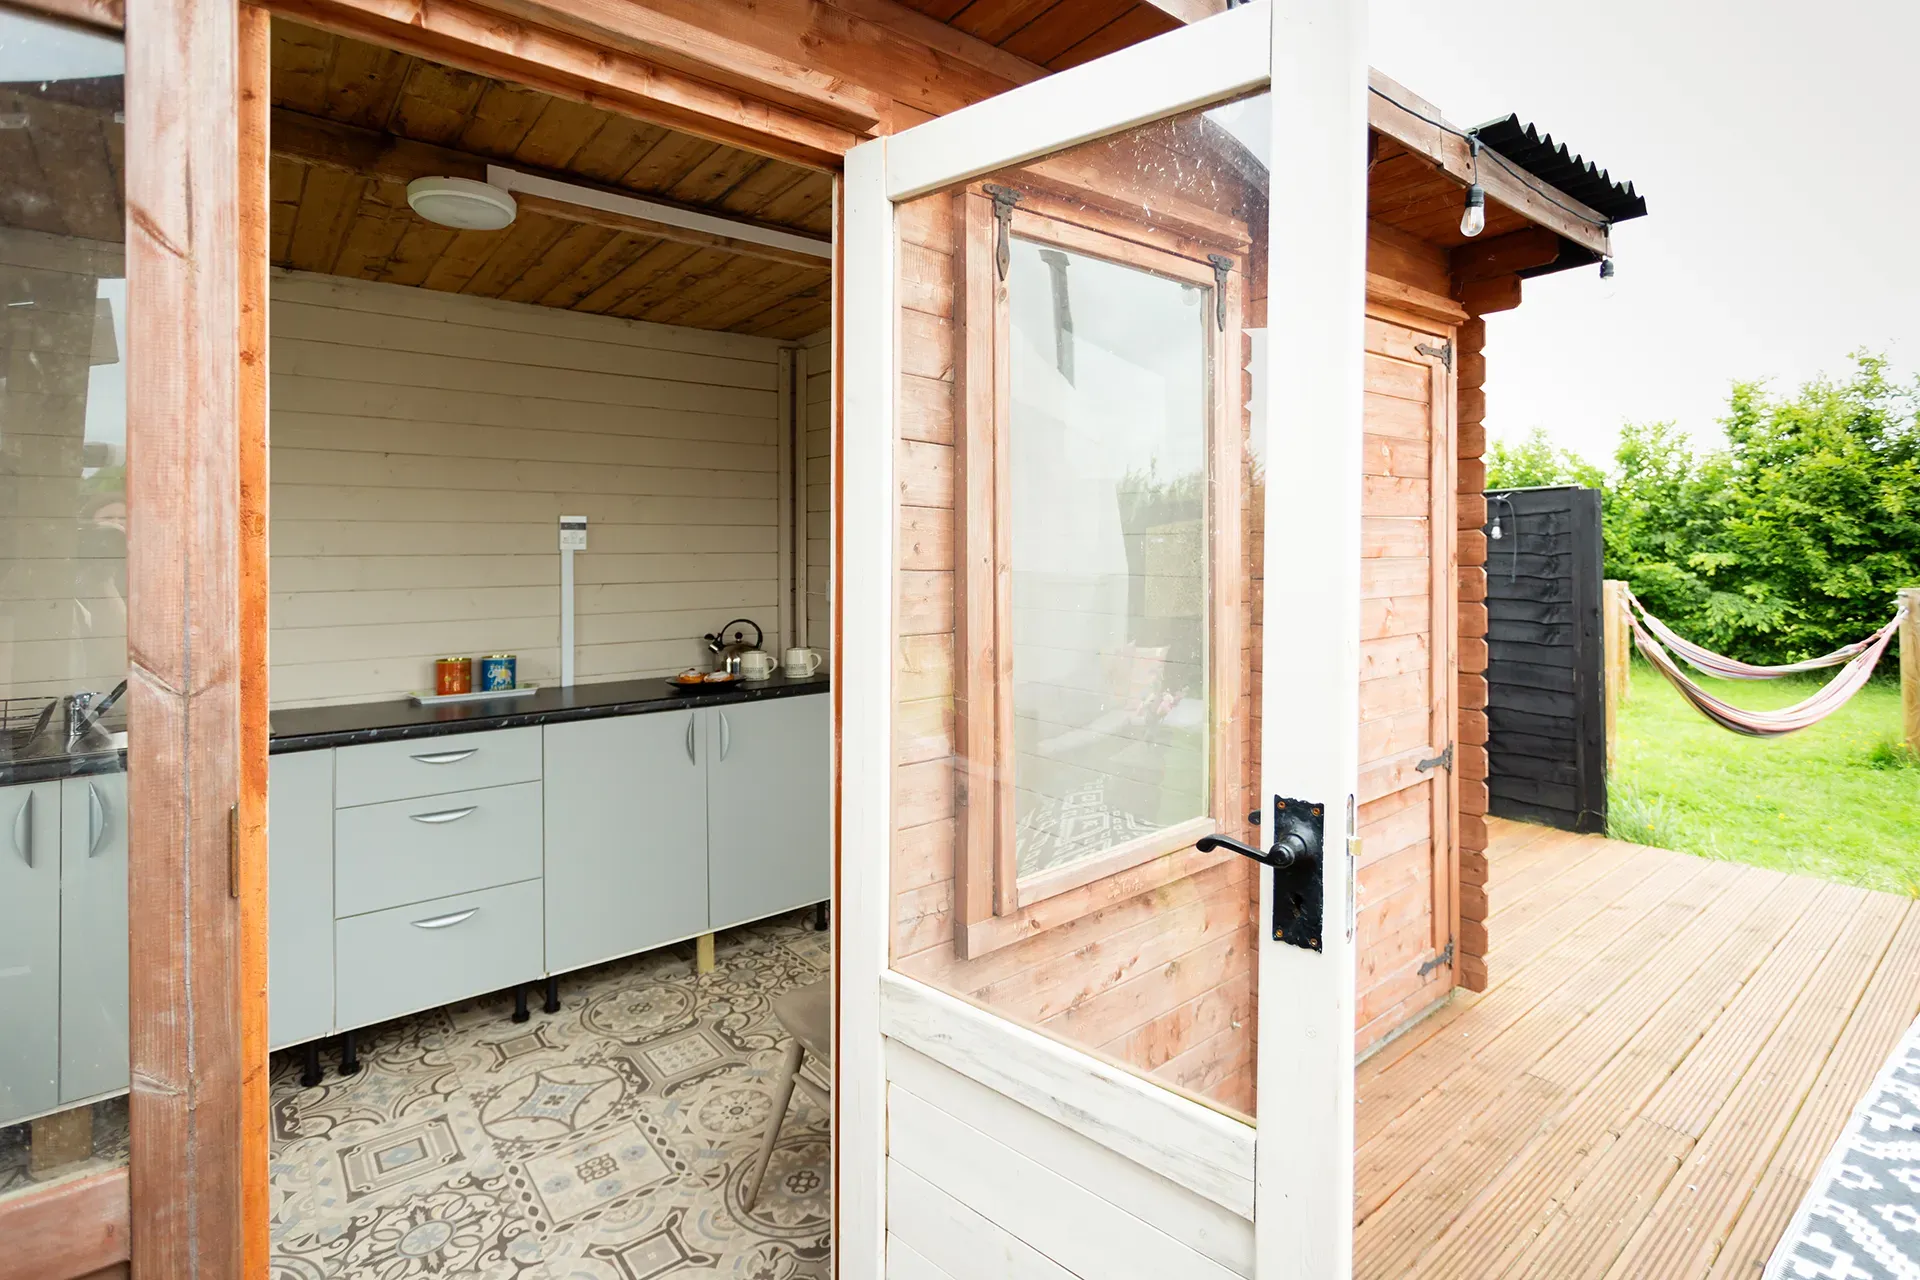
(1666, 1051)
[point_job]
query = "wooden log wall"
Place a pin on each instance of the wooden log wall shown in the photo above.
(1470, 699)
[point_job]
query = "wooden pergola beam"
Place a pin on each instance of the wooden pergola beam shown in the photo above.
(1398, 113)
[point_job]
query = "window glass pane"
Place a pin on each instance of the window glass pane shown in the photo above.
(1109, 432)
(63, 604)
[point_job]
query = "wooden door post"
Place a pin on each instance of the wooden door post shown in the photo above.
(1614, 641)
(1910, 667)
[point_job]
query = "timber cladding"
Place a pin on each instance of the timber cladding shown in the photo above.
(1545, 697)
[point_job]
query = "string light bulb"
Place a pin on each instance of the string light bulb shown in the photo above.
(1606, 268)
(1474, 220)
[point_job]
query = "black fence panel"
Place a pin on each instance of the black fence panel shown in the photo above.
(1546, 664)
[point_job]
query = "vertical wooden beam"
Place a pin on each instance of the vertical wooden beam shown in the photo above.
(1470, 716)
(183, 631)
(1910, 666)
(1613, 605)
(254, 108)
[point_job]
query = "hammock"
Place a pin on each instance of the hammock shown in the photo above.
(1726, 668)
(1770, 724)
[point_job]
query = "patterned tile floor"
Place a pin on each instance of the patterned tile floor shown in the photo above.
(608, 1141)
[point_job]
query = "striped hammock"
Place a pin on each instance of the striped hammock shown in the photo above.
(1726, 668)
(1768, 724)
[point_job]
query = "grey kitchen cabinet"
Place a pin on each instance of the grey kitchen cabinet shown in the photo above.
(29, 949)
(415, 767)
(626, 835)
(387, 855)
(414, 957)
(769, 806)
(299, 897)
(93, 935)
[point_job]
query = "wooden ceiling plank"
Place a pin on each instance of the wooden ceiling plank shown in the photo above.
(607, 264)
(671, 281)
(329, 201)
(994, 20)
(702, 277)
(804, 289)
(437, 103)
(669, 160)
(710, 180)
(419, 249)
(564, 129)
(75, 176)
(802, 322)
(301, 59)
(382, 220)
(1058, 29)
(1142, 22)
(636, 225)
(938, 10)
(752, 291)
(502, 118)
(285, 178)
(576, 246)
(1489, 256)
(472, 37)
(616, 146)
(751, 196)
(656, 259)
(363, 82)
(528, 241)
(464, 255)
(797, 203)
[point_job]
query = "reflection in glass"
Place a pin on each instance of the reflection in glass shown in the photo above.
(63, 603)
(1109, 475)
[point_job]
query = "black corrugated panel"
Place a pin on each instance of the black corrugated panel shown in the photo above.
(1552, 163)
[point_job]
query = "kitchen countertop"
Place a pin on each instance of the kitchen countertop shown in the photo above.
(50, 761)
(354, 724)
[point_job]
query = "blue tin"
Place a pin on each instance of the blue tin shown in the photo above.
(497, 672)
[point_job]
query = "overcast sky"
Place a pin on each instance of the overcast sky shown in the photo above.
(1776, 146)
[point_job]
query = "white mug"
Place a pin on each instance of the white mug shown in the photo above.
(802, 663)
(756, 664)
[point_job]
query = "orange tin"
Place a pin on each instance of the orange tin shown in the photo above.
(453, 675)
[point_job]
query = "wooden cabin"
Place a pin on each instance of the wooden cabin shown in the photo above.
(659, 335)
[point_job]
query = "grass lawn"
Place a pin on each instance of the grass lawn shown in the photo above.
(1840, 800)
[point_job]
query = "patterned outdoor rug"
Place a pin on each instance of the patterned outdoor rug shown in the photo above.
(608, 1141)
(1861, 1219)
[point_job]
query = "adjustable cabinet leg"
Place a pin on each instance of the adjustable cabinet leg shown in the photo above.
(349, 1055)
(310, 1073)
(821, 916)
(703, 957)
(520, 1013)
(553, 996)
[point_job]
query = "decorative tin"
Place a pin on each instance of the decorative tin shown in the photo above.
(453, 675)
(497, 672)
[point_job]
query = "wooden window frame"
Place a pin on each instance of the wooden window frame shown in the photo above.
(994, 905)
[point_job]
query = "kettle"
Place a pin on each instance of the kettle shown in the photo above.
(730, 642)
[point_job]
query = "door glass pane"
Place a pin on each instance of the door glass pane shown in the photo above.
(63, 605)
(1109, 428)
(1079, 586)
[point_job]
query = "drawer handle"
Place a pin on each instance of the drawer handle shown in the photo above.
(447, 921)
(96, 820)
(446, 757)
(691, 759)
(23, 830)
(444, 815)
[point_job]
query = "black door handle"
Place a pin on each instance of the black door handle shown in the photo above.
(1288, 851)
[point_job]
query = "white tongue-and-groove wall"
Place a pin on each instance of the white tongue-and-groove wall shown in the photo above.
(424, 446)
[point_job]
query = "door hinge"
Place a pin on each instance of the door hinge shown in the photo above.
(233, 851)
(1004, 198)
(1443, 353)
(1222, 264)
(1442, 761)
(1444, 958)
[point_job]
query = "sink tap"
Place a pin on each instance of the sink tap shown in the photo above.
(78, 704)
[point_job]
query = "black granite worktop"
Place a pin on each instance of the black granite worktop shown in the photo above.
(50, 762)
(354, 724)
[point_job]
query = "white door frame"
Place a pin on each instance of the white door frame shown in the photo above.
(1311, 54)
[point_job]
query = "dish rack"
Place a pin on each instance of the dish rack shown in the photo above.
(21, 720)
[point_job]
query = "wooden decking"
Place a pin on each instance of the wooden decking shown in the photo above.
(1667, 1049)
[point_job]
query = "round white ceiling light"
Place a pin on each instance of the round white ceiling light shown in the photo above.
(462, 203)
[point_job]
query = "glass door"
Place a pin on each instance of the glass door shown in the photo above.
(1099, 569)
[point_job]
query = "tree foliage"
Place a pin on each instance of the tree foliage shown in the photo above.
(1787, 543)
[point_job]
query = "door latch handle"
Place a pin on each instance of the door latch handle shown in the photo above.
(1288, 851)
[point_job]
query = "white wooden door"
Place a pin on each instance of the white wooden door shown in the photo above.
(1098, 550)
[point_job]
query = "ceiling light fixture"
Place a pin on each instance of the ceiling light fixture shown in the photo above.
(462, 203)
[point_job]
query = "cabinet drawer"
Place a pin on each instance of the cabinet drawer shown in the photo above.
(390, 963)
(431, 766)
(413, 850)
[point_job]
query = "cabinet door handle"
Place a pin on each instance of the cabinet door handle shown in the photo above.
(448, 920)
(23, 830)
(444, 815)
(446, 757)
(96, 820)
(691, 758)
(726, 736)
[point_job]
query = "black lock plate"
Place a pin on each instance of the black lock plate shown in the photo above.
(1299, 891)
